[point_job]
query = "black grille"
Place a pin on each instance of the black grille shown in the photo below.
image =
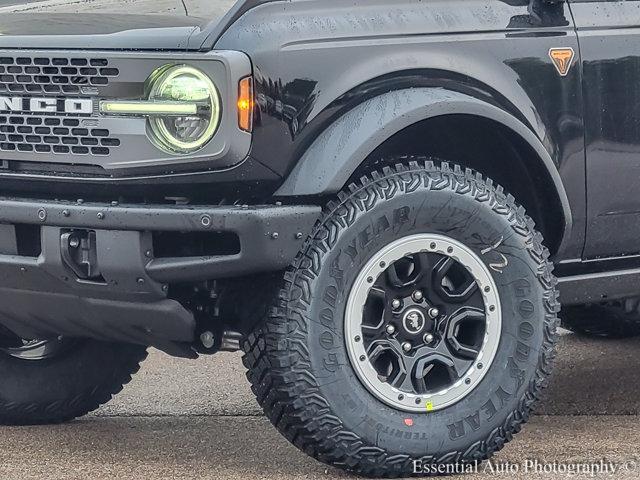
(53, 75)
(62, 135)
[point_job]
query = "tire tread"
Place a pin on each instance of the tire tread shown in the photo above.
(277, 358)
(90, 399)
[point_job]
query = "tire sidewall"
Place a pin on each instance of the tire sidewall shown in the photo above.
(350, 236)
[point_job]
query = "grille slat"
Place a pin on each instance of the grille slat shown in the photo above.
(53, 75)
(53, 135)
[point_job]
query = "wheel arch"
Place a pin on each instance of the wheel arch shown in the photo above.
(358, 140)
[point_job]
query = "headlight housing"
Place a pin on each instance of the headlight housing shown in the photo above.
(191, 109)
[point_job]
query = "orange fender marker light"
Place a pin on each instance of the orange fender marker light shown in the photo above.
(245, 104)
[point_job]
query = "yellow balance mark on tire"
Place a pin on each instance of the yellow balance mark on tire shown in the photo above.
(429, 405)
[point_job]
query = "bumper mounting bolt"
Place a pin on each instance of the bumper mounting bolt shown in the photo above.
(66, 213)
(299, 235)
(148, 254)
(275, 235)
(100, 216)
(140, 281)
(205, 221)
(42, 214)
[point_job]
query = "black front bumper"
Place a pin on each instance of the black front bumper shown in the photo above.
(41, 296)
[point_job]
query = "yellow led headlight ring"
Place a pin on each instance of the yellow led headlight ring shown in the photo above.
(196, 87)
(176, 93)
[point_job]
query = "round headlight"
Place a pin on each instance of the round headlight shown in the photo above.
(181, 132)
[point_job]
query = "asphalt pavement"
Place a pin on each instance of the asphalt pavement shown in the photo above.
(198, 419)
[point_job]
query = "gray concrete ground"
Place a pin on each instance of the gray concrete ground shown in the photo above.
(198, 419)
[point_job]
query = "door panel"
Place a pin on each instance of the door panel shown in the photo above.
(609, 37)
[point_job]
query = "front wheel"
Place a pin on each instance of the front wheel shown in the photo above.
(55, 380)
(416, 329)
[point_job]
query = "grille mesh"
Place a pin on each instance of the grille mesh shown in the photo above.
(66, 135)
(53, 75)
(45, 133)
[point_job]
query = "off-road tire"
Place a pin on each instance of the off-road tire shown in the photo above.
(613, 319)
(66, 386)
(297, 361)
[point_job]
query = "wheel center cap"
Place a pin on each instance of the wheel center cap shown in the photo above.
(414, 320)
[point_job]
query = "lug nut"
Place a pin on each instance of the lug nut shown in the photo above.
(396, 304)
(428, 338)
(391, 329)
(207, 339)
(417, 295)
(434, 312)
(406, 346)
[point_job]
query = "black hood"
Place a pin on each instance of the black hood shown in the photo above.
(105, 31)
(99, 31)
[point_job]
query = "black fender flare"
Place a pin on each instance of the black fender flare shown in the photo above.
(334, 156)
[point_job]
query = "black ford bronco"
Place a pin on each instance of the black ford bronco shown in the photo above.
(369, 198)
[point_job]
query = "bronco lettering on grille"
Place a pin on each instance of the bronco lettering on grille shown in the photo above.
(46, 105)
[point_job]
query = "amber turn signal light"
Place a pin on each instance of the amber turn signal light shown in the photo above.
(245, 104)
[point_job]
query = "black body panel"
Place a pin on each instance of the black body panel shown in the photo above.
(333, 59)
(495, 52)
(335, 79)
(609, 33)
